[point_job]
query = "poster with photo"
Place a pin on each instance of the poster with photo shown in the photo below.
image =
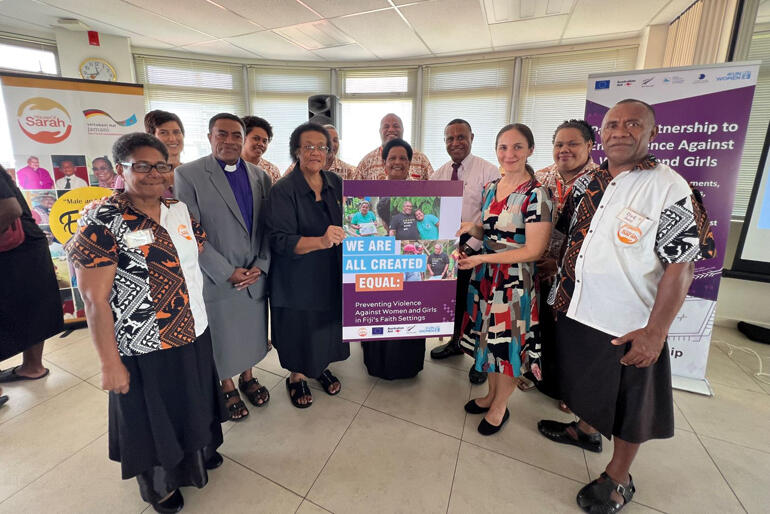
(69, 171)
(60, 128)
(398, 269)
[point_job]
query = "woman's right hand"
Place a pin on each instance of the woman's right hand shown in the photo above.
(115, 378)
(333, 236)
(465, 228)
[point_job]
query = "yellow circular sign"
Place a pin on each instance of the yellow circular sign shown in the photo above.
(65, 212)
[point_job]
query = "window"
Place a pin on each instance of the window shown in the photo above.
(367, 96)
(553, 89)
(280, 96)
(28, 57)
(477, 93)
(22, 57)
(755, 134)
(193, 90)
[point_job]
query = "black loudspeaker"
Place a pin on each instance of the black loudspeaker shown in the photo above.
(323, 109)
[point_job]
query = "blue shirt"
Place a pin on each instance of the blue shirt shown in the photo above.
(239, 183)
(427, 227)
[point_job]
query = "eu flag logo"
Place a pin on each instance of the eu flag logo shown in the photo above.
(602, 84)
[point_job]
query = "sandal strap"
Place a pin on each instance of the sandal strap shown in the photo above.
(231, 394)
(626, 491)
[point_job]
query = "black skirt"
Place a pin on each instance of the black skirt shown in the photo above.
(391, 360)
(168, 424)
(30, 306)
(307, 341)
(634, 404)
(549, 382)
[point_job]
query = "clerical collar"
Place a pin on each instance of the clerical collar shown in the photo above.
(229, 167)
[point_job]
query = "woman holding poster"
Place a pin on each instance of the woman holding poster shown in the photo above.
(500, 328)
(305, 225)
(401, 358)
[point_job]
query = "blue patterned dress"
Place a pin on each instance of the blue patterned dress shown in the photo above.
(500, 328)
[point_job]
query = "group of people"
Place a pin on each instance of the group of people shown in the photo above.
(569, 278)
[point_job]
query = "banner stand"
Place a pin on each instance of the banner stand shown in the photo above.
(692, 385)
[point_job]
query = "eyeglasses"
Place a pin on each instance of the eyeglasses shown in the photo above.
(146, 167)
(313, 148)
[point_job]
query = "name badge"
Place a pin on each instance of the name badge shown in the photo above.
(139, 238)
(630, 217)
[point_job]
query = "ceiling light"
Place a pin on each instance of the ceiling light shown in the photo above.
(71, 24)
(314, 35)
(504, 11)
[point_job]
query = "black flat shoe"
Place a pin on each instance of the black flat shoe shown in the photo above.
(446, 350)
(487, 428)
(477, 377)
(173, 503)
(473, 408)
(215, 461)
(557, 432)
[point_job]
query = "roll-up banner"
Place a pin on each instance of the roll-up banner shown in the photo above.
(702, 114)
(399, 267)
(62, 131)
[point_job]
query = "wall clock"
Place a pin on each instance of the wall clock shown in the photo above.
(95, 68)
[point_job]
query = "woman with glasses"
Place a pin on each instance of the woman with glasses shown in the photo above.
(305, 225)
(136, 261)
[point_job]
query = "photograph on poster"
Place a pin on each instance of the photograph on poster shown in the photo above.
(62, 269)
(70, 171)
(103, 172)
(40, 203)
(68, 303)
(439, 263)
(32, 172)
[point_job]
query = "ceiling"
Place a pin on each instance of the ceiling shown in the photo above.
(344, 30)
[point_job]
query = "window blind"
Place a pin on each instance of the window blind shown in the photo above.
(366, 96)
(195, 91)
(280, 96)
(755, 134)
(553, 89)
(478, 93)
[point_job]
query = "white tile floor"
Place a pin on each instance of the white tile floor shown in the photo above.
(381, 446)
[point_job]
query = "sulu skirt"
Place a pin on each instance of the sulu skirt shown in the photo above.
(168, 424)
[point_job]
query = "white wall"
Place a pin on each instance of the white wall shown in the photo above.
(73, 48)
(652, 47)
(741, 300)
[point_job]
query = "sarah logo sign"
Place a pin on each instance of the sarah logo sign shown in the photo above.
(43, 120)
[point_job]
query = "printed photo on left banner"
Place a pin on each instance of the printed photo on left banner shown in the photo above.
(33, 171)
(70, 171)
(102, 171)
(40, 203)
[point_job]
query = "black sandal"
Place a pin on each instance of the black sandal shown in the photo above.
(596, 497)
(260, 393)
(327, 380)
(237, 407)
(557, 432)
(298, 390)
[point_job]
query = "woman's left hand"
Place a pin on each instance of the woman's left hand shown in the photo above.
(466, 262)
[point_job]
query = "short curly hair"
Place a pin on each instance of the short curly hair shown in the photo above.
(390, 145)
(126, 145)
(252, 122)
(582, 125)
(306, 127)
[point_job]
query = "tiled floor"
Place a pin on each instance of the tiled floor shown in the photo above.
(404, 446)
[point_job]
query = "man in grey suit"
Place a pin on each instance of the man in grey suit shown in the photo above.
(227, 196)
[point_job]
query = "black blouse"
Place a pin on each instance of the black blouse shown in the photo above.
(9, 190)
(312, 281)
